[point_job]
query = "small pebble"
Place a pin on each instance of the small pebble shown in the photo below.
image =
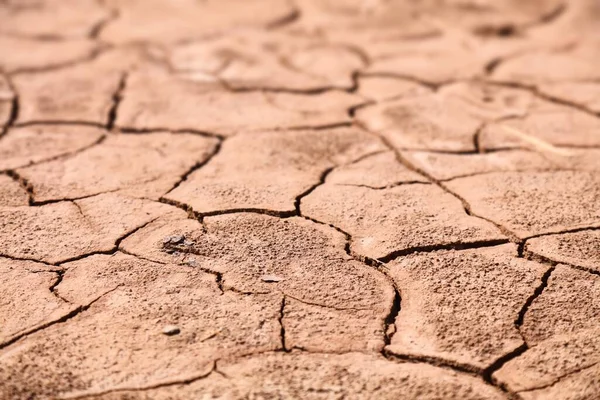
(271, 278)
(171, 330)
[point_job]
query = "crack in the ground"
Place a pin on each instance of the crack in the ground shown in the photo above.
(518, 351)
(311, 189)
(59, 277)
(71, 314)
(117, 97)
(489, 371)
(477, 244)
(593, 227)
(162, 384)
(466, 206)
(282, 326)
(389, 323)
(112, 251)
(536, 92)
(532, 256)
(36, 122)
(510, 29)
(483, 173)
(131, 130)
(435, 361)
(196, 166)
(94, 54)
(98, 27)
(389, 186)
(329, 307)
(561, 378)
(23, 183)
(434, 86)
(14, 109)
(536, 293)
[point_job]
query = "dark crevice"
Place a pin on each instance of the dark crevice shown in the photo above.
(59, 277)
(488, 372)
(529, 255)
(112, 251)
(491, 66)
(352, 110)
(188, 209)
(71, 314)
(25, 185)
(14, 112)
(436, 247)
(308, 191)
(125, 130)
(564, 231)
(390, 186)
(435, 361)
(506, 30)
(536, 293)
(268, 89)
(16, 258)
(389, 323)
(282, 330)
(59, 122)
(273, 213)
(477, 138)
(116, 99)
(334, 125)
(520, 249)
(40, 203)
(197, 166)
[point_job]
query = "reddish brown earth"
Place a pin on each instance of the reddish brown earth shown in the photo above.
(310, 199)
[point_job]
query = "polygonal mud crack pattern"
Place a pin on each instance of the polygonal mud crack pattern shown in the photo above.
(269, 170)
(91, 225)
(138, 299)
(254, 60)
(324, 376)
(154, 99)
(533, 203)
(142, 165)
(326, 291)
(562, 325)
(451, 311)
(28, 145)
(447, 120)
(299, 199)
(388, 222)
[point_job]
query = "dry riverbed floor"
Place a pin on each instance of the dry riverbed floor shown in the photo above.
(311, 199)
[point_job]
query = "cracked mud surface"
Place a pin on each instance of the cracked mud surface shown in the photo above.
(310, 199)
